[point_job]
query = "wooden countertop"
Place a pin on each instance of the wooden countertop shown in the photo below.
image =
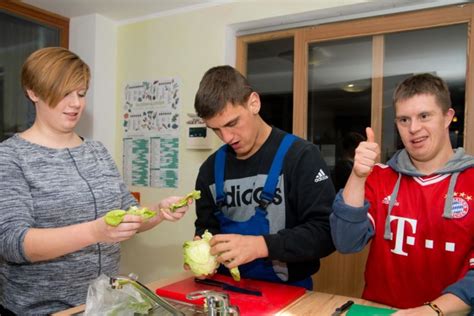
(318, 303)
(312, 303)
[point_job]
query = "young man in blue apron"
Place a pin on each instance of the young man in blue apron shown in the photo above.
(265, 195)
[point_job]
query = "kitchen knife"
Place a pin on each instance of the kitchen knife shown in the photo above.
(228, 287)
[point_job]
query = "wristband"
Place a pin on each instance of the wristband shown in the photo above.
(435, 307)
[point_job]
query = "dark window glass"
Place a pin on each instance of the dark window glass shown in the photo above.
(18, 39)
(339, 100)
(270, 72)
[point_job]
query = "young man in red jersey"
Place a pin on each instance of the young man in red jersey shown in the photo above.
(417, 211)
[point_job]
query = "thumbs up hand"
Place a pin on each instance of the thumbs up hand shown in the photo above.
(366, 155)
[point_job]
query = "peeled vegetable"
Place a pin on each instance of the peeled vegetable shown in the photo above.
(196, 195)
(115, 217)
(235, 273)
(197, 255)
(144, 212)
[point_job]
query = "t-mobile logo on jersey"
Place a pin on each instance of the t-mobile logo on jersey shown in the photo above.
(400, 240)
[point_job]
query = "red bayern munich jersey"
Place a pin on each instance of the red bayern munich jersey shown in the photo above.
(427, 252)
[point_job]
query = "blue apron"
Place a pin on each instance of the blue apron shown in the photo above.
(258, 224)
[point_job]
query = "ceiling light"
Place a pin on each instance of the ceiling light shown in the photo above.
(356, 86)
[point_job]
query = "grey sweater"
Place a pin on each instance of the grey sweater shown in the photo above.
(44, 188)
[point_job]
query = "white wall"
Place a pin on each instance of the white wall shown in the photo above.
(182, 45)
(94, 39)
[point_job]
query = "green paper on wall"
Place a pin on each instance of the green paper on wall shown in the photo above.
(364, 310)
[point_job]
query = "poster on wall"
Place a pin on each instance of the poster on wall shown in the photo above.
(151, 133)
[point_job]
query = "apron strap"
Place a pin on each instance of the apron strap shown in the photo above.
(219, 167)
(268, 193)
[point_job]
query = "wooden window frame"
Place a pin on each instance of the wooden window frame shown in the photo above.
(376, 27)
(31, 13)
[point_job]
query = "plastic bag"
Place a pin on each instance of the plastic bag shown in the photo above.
(102, 299)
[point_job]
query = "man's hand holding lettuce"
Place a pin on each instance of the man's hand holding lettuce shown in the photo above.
(197, 256)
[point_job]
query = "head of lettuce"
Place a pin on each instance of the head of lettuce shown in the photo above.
(197, 255)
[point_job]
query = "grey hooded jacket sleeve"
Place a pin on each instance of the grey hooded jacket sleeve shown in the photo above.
(350, 226)
(464, 289)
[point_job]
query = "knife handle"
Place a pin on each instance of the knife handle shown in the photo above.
(345, 306)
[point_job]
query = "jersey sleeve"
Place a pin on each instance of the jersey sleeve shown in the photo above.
(373, 181)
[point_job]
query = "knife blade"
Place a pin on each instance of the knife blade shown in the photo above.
(228, 287)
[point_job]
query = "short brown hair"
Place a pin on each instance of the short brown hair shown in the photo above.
(220, 85)
(53, 72)
(424, 84)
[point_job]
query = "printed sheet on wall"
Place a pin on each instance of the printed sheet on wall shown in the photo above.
(151, 133)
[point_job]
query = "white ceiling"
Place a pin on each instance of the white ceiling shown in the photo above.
(120, 10)
(125, 11)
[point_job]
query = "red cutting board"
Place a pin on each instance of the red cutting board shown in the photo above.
(274, 296)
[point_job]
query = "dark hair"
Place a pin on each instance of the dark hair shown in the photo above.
(219, 86)
(424, 84)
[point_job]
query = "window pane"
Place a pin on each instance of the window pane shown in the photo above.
(339, 100)
(440, 51)
(270, 72)
(18, 39)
